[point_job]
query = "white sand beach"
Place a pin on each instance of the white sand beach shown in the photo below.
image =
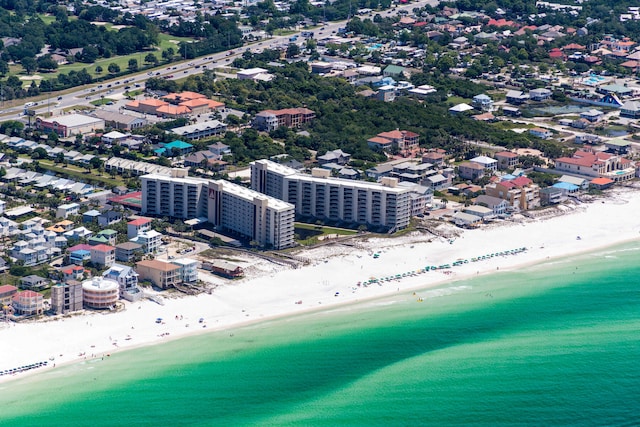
(331, 279)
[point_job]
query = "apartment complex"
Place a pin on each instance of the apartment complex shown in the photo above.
(66, 297)
(263, 219)
(176, 196)
(521, 193)
(322, 197)
(269, 120)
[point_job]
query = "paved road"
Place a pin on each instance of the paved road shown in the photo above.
(183, 69)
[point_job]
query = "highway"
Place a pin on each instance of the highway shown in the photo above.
(84, 95)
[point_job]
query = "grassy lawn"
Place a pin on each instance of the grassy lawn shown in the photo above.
(310, 233)
(455, 100)
(80, 174)
(165, 41)
(283, 32)
(101, 101)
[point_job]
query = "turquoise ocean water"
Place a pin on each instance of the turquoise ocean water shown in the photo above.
(553, 344)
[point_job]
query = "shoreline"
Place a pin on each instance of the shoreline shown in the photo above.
(329, 283)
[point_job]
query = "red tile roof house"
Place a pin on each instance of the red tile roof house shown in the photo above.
(103, 255)
(137, 226)
(403, 139)
(506, 159)
(6, 295)
(74, 272)
(598, 165)
(28, 303)
(521, 192)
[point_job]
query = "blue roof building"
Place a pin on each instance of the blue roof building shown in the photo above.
(79, 256)
(168, 149)
(567, 188)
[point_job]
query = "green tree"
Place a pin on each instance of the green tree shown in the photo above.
(151, 59)
(29, 64)
(133, 64)
(113, 68)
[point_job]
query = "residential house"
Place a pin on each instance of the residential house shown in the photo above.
(109, 218)
(462, 219)
(90, 216)
(486, 162)
(78, 233)
(137, 225)
(481, 211)
(434, 157)
(127, 278)
(224, 268)
(103, 255)
(386, 93)
(336, 156)
(551, 196)
(61, 227)
(6, 295)
(470, 170)
(601, 183)
(162, 274)
(540, 94)
(506, 160)
(188, 272)
(521, 193)
(73, 272)
(592, 115)
(582, 183)
(460, 108)
(630, 109)
(566, 188)
(511, 111)
(597, 165)
(617, 146)
(126, 251)
(34, 282)
(482, 102)
(150, 241)
(114, 137)
(517, 97)
(79, 256)
(541, 132)
(64, 211)
(497, 205)
(28, 303)
(105, 237)
(401, 139)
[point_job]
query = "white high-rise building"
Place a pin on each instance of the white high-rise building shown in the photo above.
(176, 196)
(255, 216)
(318, 196)
(260, 218)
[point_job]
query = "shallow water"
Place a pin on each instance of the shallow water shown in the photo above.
(554, 344)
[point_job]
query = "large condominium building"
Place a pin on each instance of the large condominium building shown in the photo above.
(322, 197)
(265, 220)
(290, 117)
(176, 196)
